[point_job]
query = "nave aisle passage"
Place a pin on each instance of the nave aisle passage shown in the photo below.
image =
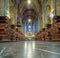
(30, 49)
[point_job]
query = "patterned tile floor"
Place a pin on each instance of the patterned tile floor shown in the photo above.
(30, 49)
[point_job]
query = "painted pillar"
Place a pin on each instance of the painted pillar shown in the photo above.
(14, 10)
(46, 13)
(36, 26)
(25, 28)
(39, 22)
(4, 7)
(33, 28)
(52, 13)
(1, 8)
(43, 14)
(48, 20)
(55, 1)
(14, 15)
(49, 12)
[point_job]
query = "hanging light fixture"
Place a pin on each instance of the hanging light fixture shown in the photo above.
(29, 1)
(29, 20)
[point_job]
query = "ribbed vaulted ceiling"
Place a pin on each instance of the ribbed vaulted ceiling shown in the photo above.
(26, 11)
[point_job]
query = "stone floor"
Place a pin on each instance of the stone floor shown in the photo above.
(30, 49)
